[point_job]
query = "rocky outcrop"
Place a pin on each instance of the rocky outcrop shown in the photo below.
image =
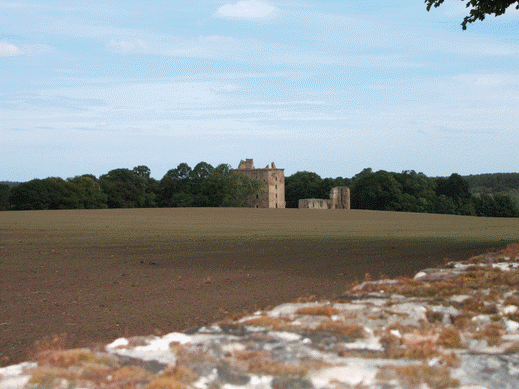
(456, 326)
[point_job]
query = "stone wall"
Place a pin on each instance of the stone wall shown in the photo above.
(274, 180)
(339, 199)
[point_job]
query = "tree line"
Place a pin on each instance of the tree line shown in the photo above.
(404, 192)
(221, 186)
(201, 186)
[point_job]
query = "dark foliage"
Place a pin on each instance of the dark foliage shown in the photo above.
(478, 9)
(4, 197)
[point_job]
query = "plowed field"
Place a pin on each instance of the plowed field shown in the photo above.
(90, 276)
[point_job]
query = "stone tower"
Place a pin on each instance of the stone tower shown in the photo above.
(274, 179)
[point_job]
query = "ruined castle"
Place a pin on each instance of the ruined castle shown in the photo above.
(274, 194)
(274, 179)
(339, 199)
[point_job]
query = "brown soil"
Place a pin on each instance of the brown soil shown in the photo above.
(90, 291)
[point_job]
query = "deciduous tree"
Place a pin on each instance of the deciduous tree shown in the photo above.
(478, 9)
(124, 188)
(4, 197)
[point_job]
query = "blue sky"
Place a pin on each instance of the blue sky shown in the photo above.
(330, 87)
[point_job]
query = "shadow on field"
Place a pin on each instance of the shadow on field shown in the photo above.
(94, 294)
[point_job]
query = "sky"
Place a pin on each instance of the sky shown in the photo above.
(330, 87)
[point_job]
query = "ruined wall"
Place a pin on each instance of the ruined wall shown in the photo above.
(274, 180)
(339, 199)
(314, 203)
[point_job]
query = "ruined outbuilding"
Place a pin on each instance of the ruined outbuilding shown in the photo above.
(339, 199)
(274, 179)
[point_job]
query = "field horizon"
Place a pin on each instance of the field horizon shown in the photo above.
(95, 275)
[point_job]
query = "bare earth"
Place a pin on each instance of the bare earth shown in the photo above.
(93, 276)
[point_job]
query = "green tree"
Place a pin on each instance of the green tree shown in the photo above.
(124, 188)
(29, 195)
(225, 187)
(49, 193)
(175, 187)
(198, 175)
(376, 191)
(454, 187)
(91, 196)
(4, 197)
(303, 185)
(418, 192)
(457, 189)
(478, 9)
(150, 185)
(496, 205)
(142, 171)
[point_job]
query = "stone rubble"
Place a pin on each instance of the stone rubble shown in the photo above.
(451, 327)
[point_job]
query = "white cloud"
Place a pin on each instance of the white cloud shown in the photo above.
(9, 50)
(246, 9)
(126, 47)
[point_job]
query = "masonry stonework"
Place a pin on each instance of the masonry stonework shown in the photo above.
(274, 180)
(339, 199)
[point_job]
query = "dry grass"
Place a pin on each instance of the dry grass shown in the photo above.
(350, 330)
(511, 251)
(178, 377)
(261, 362)
(418, 347)
(450, 337)
(48, 343)
(492, 333)
(85, 368)
(165, 383)
(413, 376)
(320, 310)
(273, 323)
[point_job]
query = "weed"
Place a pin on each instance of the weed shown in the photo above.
(449, 338)
(54, 342)
(413, 376)
(391, 344)
(165, 383)
(258, 362)
(322, 310)
(492, 333)
(463, 321)
(130, 375)
(73, 357)
(267, 321)
(420, 349)
(350, 330)
(450, 360)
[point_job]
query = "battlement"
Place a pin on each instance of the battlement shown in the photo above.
(274, 179)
